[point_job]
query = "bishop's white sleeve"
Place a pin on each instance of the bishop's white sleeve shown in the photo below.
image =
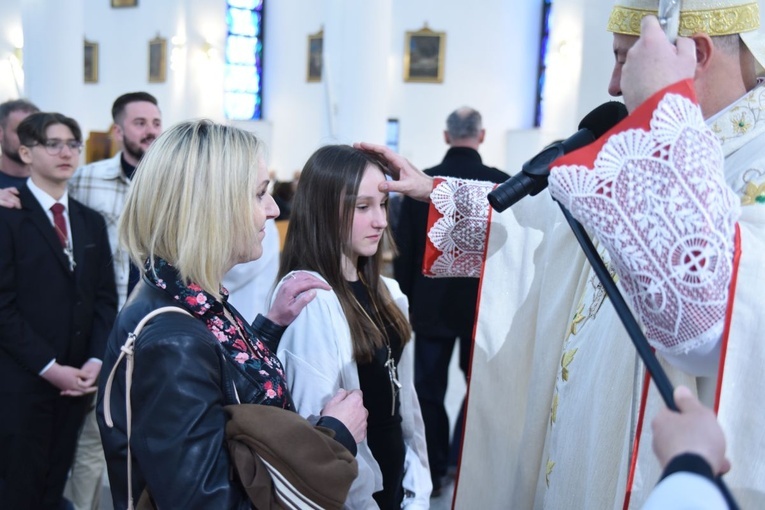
(654, 194)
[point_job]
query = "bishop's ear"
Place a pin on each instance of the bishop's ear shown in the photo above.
(705, 48)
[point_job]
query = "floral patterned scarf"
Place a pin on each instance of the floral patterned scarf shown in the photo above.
(238, 340)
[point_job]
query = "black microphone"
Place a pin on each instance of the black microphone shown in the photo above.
(533, 176)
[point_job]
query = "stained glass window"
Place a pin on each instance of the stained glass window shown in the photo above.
(243, 75)
(544, 42)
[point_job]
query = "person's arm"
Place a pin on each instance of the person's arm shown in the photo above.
(9, 197)
(652, 190)
(178, 421)
(292, 294)
(691, 430)
(407, 179)
(104, 307)
(346, 416)
(449, 251)
(17, 338)
(690, 446)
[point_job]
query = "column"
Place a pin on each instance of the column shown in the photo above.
(356, 49)
(53, 54)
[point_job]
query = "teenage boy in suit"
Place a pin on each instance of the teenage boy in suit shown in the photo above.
(57, 306)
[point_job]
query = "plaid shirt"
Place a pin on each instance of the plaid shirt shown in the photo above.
(102, 186)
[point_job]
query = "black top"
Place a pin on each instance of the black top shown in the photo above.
(127, 168)
(373, 377)
(384, 435)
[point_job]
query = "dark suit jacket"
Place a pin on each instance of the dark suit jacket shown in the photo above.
(46, 310)
(437, 306)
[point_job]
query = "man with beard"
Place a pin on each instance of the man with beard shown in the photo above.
(103, 186)
(13, 171)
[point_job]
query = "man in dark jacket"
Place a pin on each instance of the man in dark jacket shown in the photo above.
(441, 310)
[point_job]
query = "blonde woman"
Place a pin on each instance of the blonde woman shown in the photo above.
(357, 334)
(198, 206)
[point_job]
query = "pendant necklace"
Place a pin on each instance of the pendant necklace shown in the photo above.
(68, 251)
(390, 362)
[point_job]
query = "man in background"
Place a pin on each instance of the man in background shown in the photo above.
(441, 310)
(13, 171)
(103, 185)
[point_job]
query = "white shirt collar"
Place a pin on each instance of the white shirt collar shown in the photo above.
(46, 201)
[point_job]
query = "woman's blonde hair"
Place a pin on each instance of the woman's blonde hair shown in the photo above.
(190, 201)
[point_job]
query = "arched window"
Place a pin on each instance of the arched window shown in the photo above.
(243, 79)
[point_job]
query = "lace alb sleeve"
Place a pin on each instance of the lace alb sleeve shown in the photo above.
(460, 222)
(658, 201)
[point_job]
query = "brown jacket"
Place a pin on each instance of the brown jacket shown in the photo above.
(285, 462)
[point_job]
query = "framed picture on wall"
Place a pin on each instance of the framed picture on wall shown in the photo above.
(424, 52)
(90, 53)
(315, 56)
(124, 3)
(157, 60)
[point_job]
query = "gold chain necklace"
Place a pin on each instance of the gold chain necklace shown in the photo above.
(390, 362)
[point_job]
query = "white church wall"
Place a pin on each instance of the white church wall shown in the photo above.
(491, 51)
(579, 65)
(491, 59)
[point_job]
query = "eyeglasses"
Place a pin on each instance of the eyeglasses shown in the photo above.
(54, 147)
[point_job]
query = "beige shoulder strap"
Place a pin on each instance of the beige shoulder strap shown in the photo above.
(127, 352)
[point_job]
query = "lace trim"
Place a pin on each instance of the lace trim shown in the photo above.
(658, 202)
(460, 234)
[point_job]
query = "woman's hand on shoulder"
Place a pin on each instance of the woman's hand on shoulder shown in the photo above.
(297, 290)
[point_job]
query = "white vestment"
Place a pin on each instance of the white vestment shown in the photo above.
(556, 397)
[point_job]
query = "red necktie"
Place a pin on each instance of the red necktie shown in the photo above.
(60, 222)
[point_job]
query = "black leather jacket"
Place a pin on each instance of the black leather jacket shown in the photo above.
(182, 379)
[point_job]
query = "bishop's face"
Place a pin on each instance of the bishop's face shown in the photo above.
(622, 44)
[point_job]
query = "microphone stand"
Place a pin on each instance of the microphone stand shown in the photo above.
(639, 340)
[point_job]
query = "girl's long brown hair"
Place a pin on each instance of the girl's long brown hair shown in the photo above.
(319, 231)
